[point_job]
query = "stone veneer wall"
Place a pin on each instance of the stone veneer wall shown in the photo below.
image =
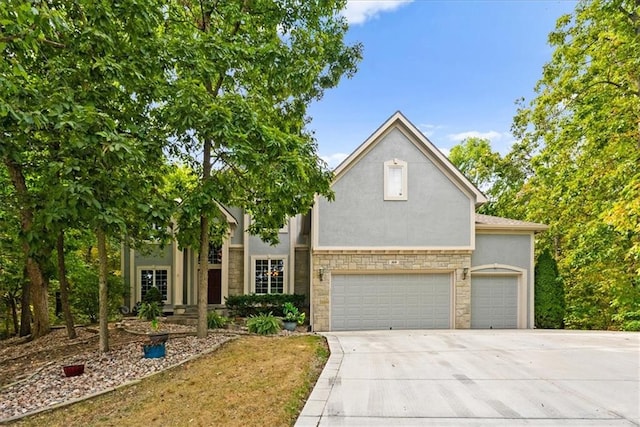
(236, 271)
(301, 281)
(362, 262)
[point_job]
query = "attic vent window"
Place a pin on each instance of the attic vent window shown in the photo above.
(395, 180)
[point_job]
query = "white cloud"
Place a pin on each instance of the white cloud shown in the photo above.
(334, 159)
(492, 135)
(360, 11)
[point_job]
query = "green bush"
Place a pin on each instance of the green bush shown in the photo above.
(149, 311)
(293, 314)
(254, 304)
(630, 321)
(153, 295)
(263, 324)
(85, 293)
(216, 321)
(549, 293)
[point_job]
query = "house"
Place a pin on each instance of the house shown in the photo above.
(400, 247)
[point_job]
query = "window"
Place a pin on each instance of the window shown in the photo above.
(215, 254)
(395, 180)
(154, 278)
(269, 276)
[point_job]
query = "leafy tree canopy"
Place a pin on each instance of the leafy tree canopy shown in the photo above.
(580, 142)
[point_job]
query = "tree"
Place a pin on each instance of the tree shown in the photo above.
(12, 284)
(497, 177)
(78, 141)
(549, 293)
(242, 74)
(581, 139)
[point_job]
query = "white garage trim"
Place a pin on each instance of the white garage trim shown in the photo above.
(508, 270)
(446, 274)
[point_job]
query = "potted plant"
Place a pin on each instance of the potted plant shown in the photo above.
(156, 346)
(292, 316)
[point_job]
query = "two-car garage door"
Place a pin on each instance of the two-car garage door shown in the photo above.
(390, 301)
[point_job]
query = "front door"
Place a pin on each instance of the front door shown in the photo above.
(214, 291)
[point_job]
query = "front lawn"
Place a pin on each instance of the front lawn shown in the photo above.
(252, 381)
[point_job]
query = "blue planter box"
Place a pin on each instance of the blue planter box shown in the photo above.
(154, 351)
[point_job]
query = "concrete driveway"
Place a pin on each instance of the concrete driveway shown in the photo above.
(472, 377)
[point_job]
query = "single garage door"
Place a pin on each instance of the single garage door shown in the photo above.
(390, 301)
(494, 302)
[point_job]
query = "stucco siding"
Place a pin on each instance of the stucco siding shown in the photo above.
(237, 237)
(436, 213)
(507, 249)
(154, 255)
(257, 247)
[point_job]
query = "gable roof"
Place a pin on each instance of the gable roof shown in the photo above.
(488, 222)
(230, 218)
(399, 121)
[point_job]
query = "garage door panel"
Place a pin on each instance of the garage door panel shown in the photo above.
(399, 301)
(494, 302)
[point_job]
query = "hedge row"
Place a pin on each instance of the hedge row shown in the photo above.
(254, 304)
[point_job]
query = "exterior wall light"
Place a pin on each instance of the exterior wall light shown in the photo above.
(321, 271)
(465, 272)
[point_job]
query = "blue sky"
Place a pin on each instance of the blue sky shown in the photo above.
(454, 68)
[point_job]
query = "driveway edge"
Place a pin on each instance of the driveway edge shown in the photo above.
(314, 407)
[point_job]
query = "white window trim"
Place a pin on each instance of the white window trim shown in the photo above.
(393, 164)
(255, 258)
(154, 268)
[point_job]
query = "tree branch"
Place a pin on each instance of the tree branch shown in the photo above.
(13, 37)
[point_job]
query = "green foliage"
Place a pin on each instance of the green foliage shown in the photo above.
(252, 304)
(77, 133)
(85, 298)
(149, 311)
(263, 324)
(630, 320)
(497, 177)
(292, 313)
(578, 147)
(238, 115)
(153, 295)
(549, 293)
(216, 321)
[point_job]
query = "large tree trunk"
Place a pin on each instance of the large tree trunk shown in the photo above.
(203, 278)
(104, 294)
(38, 285)
(25, 307)
(64, 287)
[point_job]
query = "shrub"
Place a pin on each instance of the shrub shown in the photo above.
(549, 293)
(85, 294)
(253, 304)
(263, 324)
(153, 295)
(293, 314)
(149, 311)
(630, 320)
(216, 321)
